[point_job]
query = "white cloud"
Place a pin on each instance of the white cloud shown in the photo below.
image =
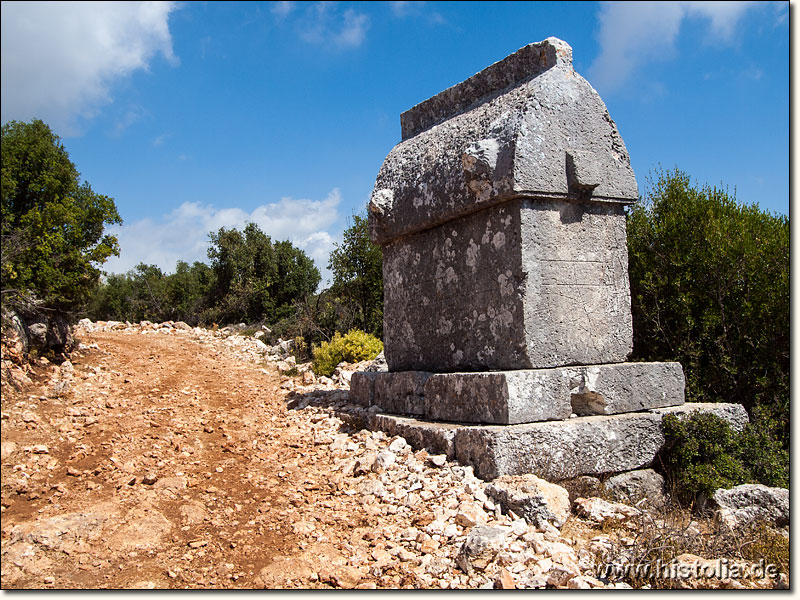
(322, 24)
(281, 9)
(403, 8)
(183, 233)
(354, 29)
(634, 33)
(133, 115)
(61, 59)
(416, 9)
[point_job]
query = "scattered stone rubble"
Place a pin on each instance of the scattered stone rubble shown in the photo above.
(433, 523)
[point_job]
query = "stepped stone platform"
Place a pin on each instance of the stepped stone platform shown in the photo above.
(507, 307)
(522, 396)
(553, 450)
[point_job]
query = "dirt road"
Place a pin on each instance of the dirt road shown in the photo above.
(170, 464)
(165, 457)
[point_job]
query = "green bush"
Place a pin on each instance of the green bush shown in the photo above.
(764, 455)
(702, 453)
(699, 455)
(355, 346)
(710, 289)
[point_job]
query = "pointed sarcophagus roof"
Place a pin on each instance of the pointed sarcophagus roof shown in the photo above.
(527, 126)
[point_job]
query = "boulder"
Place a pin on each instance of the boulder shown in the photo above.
(748, 503)
(583, 486)
(36, 331)
(536, 500)
(601, 511)
(634, 486)
(14, 331)
(481, 546)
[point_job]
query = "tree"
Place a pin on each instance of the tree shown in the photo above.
(146, 293)
(357, 267)
(256, 279)
(52, 223)
(710, 288)
(114, 299)
(187, 291)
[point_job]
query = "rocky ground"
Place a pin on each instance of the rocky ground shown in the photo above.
(171, 457)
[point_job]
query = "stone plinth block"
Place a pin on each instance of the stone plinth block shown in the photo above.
(401, 393)
(362, 388)
(626, 387)
(518, 286)
(553, 450)
(501, 216)
(500, 397)
(562, 449)
(524, 396)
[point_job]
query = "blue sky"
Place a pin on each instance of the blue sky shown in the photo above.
(199, 115)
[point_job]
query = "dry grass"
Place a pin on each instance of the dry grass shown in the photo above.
(659, 538)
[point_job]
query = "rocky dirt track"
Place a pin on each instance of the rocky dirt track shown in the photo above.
(174, 458)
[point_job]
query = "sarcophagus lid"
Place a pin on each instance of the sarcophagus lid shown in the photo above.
(527, 126)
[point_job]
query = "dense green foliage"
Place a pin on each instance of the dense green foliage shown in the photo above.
(52, 223)
(256, 279)
(710, 289)
(357, 267)
(353, 301)
(702, 453)
(146, 293)
(250, 279)
(353, 347)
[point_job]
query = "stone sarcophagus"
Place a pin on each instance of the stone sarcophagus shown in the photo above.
(501, 216)
(507, 315)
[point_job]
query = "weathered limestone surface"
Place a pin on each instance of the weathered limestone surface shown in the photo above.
(532, 498)
(735, 414)
(547, 283)
(746, 503)
(561, 449)
(525, 396)
(502, 397)
(401, 393)
(634, 486)
(626, 387)
(510, 187)
(553, 450)
(362, 388)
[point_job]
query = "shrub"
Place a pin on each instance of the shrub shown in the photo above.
(762, 453)
(699, 455)
(300, 350)
(702, 453)
(710, 289)
(355, 346)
